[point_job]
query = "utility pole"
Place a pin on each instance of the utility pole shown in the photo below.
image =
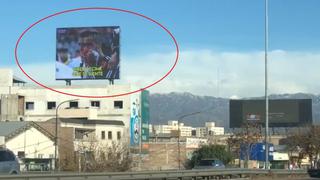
(179, 119)
(56, 135)
(266, 86)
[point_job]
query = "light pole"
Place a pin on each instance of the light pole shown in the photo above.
(179, 119)
(266, 86)
(56, 134)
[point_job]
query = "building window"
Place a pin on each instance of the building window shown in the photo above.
(110, 135)
(81, 133)
(21, 154)
(73, 104)
(118, 135)
(95, 104)
(6, 156)
(51, 105)
(103, 135)
(29, 105)
(40, 156)
(118, 104)
(193, 132)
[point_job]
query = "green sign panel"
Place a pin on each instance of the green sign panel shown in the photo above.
(145, 116)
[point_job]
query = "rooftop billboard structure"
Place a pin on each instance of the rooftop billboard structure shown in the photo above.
(282, 112)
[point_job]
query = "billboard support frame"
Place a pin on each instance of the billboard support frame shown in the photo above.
(68, 82)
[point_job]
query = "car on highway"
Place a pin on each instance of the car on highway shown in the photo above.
(209, 164)
(9, 164)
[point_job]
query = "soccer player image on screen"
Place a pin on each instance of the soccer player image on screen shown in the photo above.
(88, 53)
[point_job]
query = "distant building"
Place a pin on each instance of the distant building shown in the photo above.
(201, 132)
(172, 128)
(150, 128)
(209, 130)
(187, 131)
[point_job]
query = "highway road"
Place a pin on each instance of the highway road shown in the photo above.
(173, 174)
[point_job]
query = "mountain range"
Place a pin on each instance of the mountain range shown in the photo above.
(171, 106)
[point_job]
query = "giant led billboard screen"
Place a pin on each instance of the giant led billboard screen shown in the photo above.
(88, 53)
(282, 112)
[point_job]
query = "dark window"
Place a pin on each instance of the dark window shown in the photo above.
(109, 134)
(51, 105)
(73, 104)
(29, 105)
(21, 154)
(103, 135)
(118, 104)
(193, 132)
(118, 135)
(79, 133)
(95, 104)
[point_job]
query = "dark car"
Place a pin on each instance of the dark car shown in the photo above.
(9, 164)
(209, 164)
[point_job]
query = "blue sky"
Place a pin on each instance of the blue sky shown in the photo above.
(218, 31)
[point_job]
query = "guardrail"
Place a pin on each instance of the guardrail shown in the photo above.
(179, 174)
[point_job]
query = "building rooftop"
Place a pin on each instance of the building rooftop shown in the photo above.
(10, 129)
(89, 121)
(7, 128)
(160, 135)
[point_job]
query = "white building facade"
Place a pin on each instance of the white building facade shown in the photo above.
(35, 103)
(106, 120)
(100, 132)
(212, 129)
(29, 142)
(173, 126)
(187, 131)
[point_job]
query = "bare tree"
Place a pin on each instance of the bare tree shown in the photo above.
(112, 158)
(96, 156)
(305, 141)
(242, 142)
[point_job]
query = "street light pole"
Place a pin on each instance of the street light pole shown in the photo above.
(56, 134)
(266, 86)
(179, 119)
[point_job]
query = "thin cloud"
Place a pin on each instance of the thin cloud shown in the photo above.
(206, 72)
